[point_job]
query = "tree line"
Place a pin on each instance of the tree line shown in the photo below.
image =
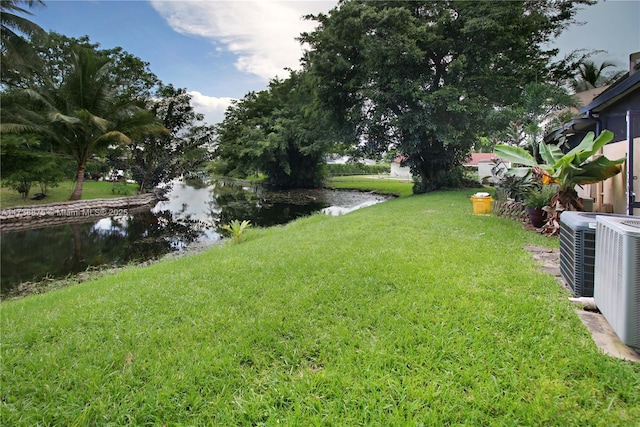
(70, 108)
(431, 80)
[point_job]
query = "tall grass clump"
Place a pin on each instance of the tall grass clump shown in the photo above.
(409, 312)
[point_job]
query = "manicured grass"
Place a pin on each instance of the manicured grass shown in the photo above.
(90, 190)
(409, 312)
(382, 185)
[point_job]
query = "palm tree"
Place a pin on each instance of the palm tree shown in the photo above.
(591, 76)
(16, 52)
(83, 114)
(540, 102)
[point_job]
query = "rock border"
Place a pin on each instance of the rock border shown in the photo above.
(45, 215)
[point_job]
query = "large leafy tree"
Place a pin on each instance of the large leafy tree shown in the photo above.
(159, 158)
(280, 132)
(83, 112)
(427, 77)
(131, 77)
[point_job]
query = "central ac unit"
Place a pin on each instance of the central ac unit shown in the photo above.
(578, 251)
(617, 275)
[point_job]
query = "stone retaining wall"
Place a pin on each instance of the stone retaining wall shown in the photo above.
(38, 216)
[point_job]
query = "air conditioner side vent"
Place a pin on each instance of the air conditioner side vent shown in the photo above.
(617, 277)
(577, 251)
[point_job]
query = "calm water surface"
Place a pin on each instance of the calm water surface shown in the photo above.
(192, 214)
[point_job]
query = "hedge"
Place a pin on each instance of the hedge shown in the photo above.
(334, 169)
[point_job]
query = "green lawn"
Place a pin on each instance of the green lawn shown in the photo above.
(381, 184)
(410, 312)
(90, 190)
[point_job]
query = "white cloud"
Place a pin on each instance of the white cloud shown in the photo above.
(213, 108)
(261, 33)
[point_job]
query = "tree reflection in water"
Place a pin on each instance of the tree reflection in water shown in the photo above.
(54, 252)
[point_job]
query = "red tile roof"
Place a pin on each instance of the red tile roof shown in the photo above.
(475, 158)
(472, 160)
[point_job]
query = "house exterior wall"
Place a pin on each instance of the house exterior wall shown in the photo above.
(400, 171)
(586, 97)
(614, 118)
(612, 193)
(484, 169)
(615, 189)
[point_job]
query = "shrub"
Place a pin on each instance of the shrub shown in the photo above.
(335, 169)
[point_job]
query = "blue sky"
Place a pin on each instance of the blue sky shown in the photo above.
(220, 50)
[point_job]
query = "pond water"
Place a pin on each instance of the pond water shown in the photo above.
(191, 215)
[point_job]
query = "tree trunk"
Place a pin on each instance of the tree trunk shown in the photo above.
(77, 192)
(567, 200)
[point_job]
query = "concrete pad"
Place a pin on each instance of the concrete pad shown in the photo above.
(603, 335)
(605, 338)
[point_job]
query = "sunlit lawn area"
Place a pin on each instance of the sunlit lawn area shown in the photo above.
(91, 190)
(410, 312)
(381, 184)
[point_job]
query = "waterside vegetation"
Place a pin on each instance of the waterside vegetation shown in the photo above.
(410, 312)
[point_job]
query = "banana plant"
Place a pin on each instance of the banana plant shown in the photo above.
(576, 168)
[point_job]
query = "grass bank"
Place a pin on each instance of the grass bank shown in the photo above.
(90, 190)
(379, 184)
(410, 312)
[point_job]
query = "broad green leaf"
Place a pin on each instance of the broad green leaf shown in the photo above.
(520, 172)
(599, 170)
(515, 155)
(603, 139)
(585, 144)
(551, 154)
(564, 165)
(588, 146)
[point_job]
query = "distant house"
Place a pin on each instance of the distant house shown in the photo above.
(617, 109)
(484, 162)
(338, 159)
(398, 170)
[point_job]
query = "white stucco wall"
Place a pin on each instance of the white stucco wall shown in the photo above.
(614, 189)
(400, 171)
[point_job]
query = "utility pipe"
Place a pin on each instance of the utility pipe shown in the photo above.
(631, 195)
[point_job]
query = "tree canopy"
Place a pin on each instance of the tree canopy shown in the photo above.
(82, 114)
(429, 77)
(160, 157)
(280, 132)
(17, 54)
(99, 105)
